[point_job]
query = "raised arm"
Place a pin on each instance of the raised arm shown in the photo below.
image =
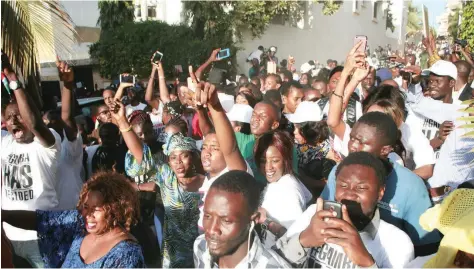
(149, 98)
(164, 93)
(67, 100)
(336, 104)
(467, 56)
(206, 95)
(129, 136)
(29, 112)
(203, 67)
(205, 124)
(121, 88)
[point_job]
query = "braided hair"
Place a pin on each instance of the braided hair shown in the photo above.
(139, 117)
(181, 124)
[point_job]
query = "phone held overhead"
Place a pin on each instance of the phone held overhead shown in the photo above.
(223, 53)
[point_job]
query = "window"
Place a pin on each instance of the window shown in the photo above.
(355, 6)
(375, 10)
(151, 12)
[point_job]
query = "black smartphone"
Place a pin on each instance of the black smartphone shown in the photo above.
(333, 206)
(128, 79)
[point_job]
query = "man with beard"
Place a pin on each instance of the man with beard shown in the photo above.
(30, 155)
(230, 213)
(321, 238)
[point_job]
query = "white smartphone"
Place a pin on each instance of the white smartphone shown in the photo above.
(157, 57)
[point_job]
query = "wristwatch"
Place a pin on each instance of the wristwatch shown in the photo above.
(266, 223)
(14, 85)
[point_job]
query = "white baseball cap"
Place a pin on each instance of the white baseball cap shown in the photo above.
(442, 68)
(227, 101)
(305, 112)
(240, 113)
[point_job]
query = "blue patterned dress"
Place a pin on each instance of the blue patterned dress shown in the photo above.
(60, 235)
(181, 209)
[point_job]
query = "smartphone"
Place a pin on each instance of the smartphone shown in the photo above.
(129, 79)
(333, 206)
(157, 57)
(225, 53)
(363, 38)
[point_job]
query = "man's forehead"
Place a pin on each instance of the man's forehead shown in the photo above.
(11, 108)
(108, 93)
(225, 203)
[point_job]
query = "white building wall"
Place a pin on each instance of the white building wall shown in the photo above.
(330, 37)
(83, 12)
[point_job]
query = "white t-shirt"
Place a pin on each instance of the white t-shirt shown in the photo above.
(418, 149)
(205, 187)
(29, 173)
(390, 247)
(285, 200)
(455, 161)
(429, 127)
(129, 109)
(69, 182)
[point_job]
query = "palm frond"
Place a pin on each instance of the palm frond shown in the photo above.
(31, 29)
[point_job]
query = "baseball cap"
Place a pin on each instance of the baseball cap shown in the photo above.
(442, 68)
(306, 67)
(240, 113)
(384, 74)
(305, 112)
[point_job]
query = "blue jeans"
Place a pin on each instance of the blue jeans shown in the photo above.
(28, 250)
(159, 220)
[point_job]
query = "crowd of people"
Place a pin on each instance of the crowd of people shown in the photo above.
(340, 166)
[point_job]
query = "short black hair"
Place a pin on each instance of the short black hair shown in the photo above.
(315, 132)
(249, 97)
(323, 75)
(287, 74)
(366, 159)
(285, 88)
(242, 183)
(260, 47)
(277, 78)
(385, 126)
(268, 101)
(335, 70)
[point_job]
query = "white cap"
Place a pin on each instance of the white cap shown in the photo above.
(442, 68)
(227, 101)
(306, 67)
(240, 113)
(305, 112)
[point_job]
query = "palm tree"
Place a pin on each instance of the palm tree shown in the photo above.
(31, 27)
(114, 13)
(414, 23)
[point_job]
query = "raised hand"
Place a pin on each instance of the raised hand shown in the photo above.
(119, 111)
(313, 236)
(355, 58)
(206, 95)
(343, 233)
(213, 56)
(65, 72)
(361, 73)
(445, 129)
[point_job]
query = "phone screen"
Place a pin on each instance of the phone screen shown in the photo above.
(157, 57)
(223, 54)
(362, 47)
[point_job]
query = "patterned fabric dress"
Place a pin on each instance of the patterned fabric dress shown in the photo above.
(60, 235)
(181, 209)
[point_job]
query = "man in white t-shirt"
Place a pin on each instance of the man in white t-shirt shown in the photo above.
(69, 179)
(220, 152)
(441, 83)
(30, 155)
(135, 103)
(355, 236)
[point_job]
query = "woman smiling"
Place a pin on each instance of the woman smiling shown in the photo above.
(97, 235)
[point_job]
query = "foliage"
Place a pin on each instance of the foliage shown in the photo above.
(467, 25)
(27, 28)
(389, 20)
(330, 6)
(235, 17)
(414, 22)
(128, 48)
(114, 13)
(453, 23)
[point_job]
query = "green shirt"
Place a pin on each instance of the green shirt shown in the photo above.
(246, 144)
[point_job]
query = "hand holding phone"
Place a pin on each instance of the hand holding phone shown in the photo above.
(333, 207)
(157, 56)
(363, 46)
(223, 53)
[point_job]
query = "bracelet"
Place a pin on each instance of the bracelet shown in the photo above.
(126, 129)
(340, 96)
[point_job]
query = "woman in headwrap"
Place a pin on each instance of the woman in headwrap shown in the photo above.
(178, 180)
